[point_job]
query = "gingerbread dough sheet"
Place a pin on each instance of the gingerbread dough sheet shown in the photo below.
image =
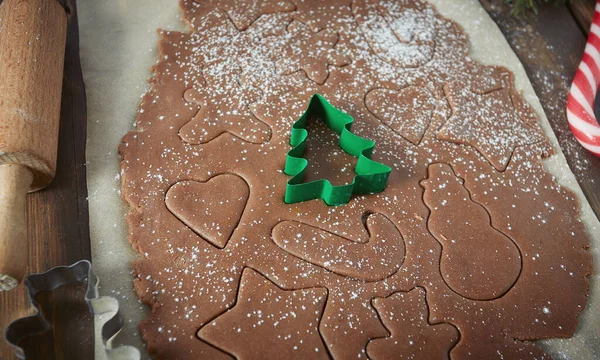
(473, 250)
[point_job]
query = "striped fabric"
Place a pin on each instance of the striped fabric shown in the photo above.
(580, 104)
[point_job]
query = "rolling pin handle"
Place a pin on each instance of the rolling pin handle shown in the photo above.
(15, 181)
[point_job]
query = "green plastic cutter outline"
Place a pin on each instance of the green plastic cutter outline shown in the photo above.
(371, 176)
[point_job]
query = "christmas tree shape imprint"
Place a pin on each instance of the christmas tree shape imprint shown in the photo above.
(371, 176)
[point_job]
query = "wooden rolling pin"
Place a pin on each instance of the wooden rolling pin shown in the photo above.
(32, 48)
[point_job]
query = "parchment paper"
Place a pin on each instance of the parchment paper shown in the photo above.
(118, 46)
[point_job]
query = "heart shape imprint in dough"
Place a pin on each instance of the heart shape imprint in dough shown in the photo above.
(212, 209)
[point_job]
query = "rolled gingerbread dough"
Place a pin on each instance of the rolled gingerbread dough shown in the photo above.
(118, 47)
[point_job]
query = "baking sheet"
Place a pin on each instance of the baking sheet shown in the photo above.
(118, 46)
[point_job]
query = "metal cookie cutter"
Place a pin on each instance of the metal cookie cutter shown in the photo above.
(371, 176)
(66, 275)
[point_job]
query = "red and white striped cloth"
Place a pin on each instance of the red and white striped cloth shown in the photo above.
(580, 104)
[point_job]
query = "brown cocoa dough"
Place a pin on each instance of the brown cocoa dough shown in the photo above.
(472, 250)
(405, 315)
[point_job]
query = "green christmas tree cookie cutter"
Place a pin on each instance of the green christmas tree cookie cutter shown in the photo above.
(371, 176)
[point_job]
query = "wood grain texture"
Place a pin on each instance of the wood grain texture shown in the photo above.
(58, 230)
(583, 12)
(15, 180)
(550, 46)
(32, 39)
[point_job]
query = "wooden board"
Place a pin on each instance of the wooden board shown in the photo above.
(549, 45)
(58, 231)
(583, 12)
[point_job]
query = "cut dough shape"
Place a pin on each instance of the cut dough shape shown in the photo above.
(326, 160)
(311, 52)
(491, 78)
(406, 111)
(270, 323)
(223, 95)
(371, 259)
(489, 122)
(211, 209)
(478, 261)
(406, 316)
(401, 33)
(242, 13)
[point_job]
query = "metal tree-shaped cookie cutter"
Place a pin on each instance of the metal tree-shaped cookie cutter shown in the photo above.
(61, 276)
(371, 176)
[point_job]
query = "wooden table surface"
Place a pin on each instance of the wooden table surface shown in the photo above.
(550, 46)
